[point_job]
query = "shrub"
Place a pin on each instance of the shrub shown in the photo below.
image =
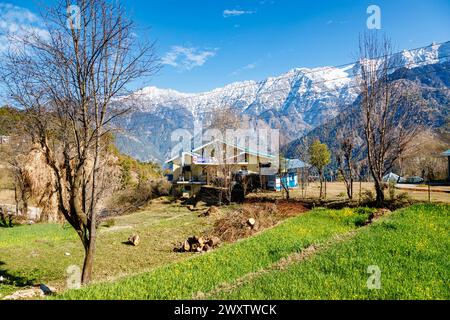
(133, 197)
(368, 195)
(364, 210)
(360, 220)
(109, 223)
(160, 187)
(404, 197)
(391, 189)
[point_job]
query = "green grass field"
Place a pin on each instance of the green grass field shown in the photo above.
(323, 254)
(203, 273)
(34, 254)
(411, 249)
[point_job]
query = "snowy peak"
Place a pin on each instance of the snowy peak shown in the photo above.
(295, 102)
(278, 93)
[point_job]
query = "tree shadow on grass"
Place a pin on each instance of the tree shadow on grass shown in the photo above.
(14, 280)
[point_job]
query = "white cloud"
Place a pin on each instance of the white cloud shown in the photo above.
(337, 22)
(187, 58)
(249, 66)
(234, 12)
(16, 22)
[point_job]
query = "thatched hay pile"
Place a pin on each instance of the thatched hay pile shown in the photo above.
(38, 183)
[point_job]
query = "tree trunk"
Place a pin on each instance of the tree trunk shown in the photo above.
(380, 194)
(16, 199)
(350, 189)
(321, 184)
(285, 187)
(89, 259)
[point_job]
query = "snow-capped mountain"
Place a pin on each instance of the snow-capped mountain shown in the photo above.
(295, 102)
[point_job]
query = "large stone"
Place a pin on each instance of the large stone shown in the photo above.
(31, 293)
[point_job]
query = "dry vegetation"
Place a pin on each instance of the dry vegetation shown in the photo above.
(337, 191)
(253, 217)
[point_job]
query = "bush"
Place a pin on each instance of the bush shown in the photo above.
(391, 189)
(109, 223)
(368, 195)
(6, 218)
(160, 187)
(133, 197)
(404, 197)
(360, 220)
(364, 210)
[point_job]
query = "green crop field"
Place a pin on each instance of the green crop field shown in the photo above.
(197, 276)
(323, 254)
(41, 253)
(410, 248)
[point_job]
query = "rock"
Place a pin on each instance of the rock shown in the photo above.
(25, 294)
(67, 254)
(251, 222)
(35, 292)
(134, 240)
(46, 289)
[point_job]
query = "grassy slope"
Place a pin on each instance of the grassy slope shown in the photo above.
(36, 253)
(411, 248)
(205, 272)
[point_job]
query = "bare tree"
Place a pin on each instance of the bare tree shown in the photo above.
(66, 80)
(284, 176)
(345, 157)
(226, 166)
(387, 108)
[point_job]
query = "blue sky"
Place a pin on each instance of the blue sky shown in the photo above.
(206, 44)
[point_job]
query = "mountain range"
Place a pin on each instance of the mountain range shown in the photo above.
(298, 102)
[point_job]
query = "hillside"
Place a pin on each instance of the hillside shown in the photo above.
(296, 102)
(430, 82)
